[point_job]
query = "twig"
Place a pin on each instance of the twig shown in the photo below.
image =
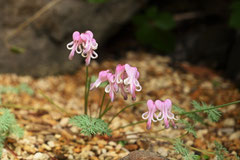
(10, 150)
(52, 102)
(32, 18)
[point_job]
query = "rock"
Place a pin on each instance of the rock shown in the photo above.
(45, 39)
(235, 135)
(40, 156)
(143, 155)
(64, 122)
(230, 122)
(163, 151)
(201, 133)
(131, 147)
(111, 143)
(51, 144)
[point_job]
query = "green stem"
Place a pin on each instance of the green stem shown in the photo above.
(131, 124)
(103, 98)
(86, 90)
(210, 108)
(106, 109)
(53, 103)
(193, 148)
(128, 106)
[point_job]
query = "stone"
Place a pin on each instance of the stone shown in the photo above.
(143, 155)
(229, 122)
(40, 156)
(131, 147)
(235, 135)
(64, 122)
(44, 41)
(163, 151)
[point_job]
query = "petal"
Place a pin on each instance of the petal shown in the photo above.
(138, 88)
(70, 57)
(94, 55)
(127, 81)
(88, 59)
(70, 45)
(79, 49)
(149, 124)
(76, 36)
(111, 94)
(144, 115)
(107, 88)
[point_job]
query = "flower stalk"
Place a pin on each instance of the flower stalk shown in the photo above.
(210, 108)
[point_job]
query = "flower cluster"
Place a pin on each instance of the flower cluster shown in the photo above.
(125, 79)
(164, 108)
(84, 44)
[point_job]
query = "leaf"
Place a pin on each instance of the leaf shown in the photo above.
(220, 150)
(90, 126)
(17, 50)
(234, 21)
(188, 127)
(102, 85)
(165, 21)
(153, 29)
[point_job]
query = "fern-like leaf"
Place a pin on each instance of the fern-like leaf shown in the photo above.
(220, 150)
(179, 148)
(188, 127)
(90, 126)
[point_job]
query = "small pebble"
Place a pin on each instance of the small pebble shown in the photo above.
(229, 122)
(235, 135)
(64, 122)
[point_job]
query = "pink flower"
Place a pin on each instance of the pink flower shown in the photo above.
(120, 75)
(75, 45)
(102, 77)
(112, 87)
(89, 45)
(124, 79)
(132, 81)
(150, 114)
(165, 112)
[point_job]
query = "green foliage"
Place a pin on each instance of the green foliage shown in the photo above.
(179, 148)
(220, 150)
(234, 21)
(153, 28)
(17, 50)
(8, 126)
(16, 90)
(194, 116)
(102, 85)
(123, 143)
(213, 113)
(188, 127)
(90, 126)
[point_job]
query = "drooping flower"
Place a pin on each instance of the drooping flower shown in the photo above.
(102, 77)
(112, 87)
(89, 45)
(120, 80)
(132, 80)
(75, 45)
(150, 114)
(120, 75)
(165, 112)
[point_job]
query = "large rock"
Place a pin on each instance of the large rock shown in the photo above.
(45, 39)
(143, 155)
